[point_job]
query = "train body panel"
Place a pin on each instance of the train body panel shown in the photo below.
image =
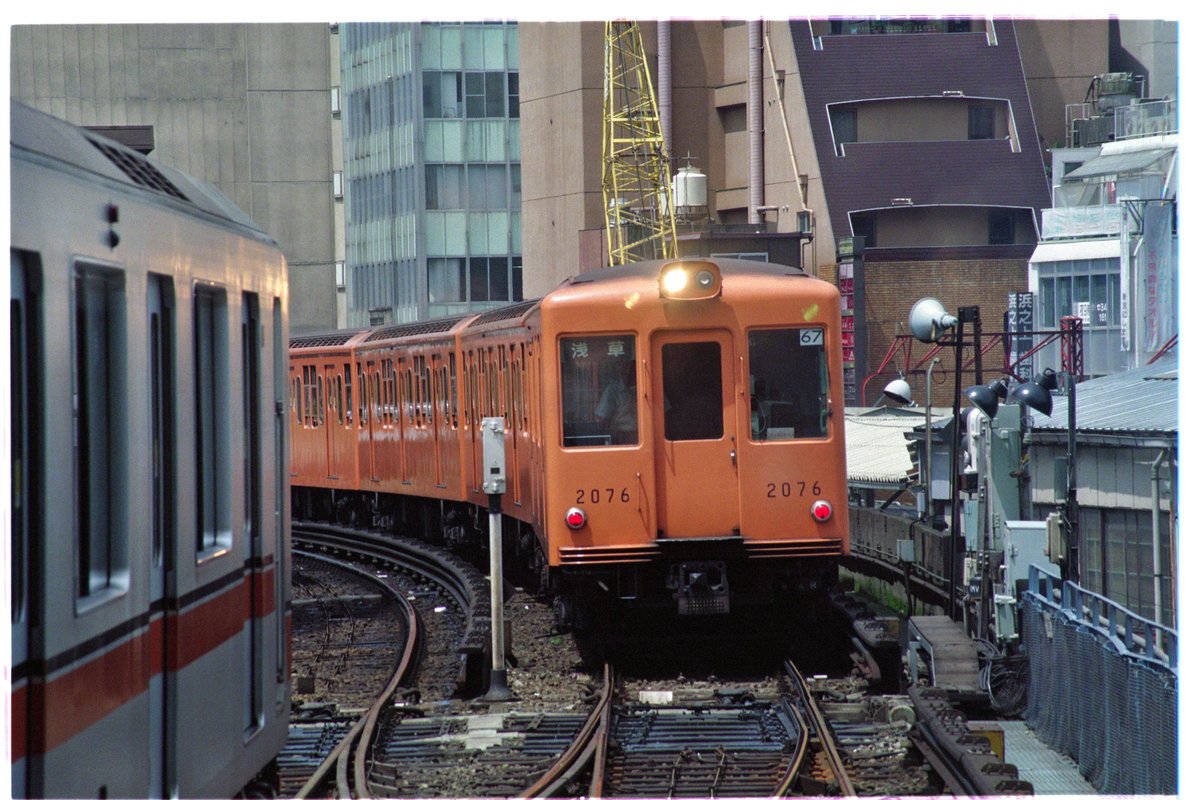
(652, 436)
(150, 526)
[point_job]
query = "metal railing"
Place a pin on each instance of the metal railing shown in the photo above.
(1131, 635)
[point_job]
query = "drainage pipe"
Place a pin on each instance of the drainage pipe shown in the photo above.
(754, 119)
(1156, 535)
(664, 84)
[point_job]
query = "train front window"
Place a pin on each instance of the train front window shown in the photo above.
(599, 391)
(691, 376)
(789, 384)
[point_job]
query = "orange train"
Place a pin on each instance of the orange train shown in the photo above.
(673, 430)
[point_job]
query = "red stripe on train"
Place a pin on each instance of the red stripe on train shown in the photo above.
(73, 702)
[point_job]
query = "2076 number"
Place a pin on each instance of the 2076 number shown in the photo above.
(597, 496)
(790, 488)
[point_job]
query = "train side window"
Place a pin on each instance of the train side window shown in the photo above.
(100, 424)
(503, 387)
(453, 379)
(789, 382)
(335, 400)
(426, 393)
(388, 398)
(348, 384)
(599, 390)
(298, 400)
(319, 400)
(362, 396)
(376, 396)
(210, 343)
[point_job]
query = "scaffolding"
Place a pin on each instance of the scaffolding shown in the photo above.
(638, 206)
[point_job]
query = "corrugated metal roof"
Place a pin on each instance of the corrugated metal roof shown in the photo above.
(876, 450)
(1143, 400)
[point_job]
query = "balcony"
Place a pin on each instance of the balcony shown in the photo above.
(1081, 222)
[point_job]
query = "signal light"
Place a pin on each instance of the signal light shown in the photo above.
(822, 511)
(576, 518)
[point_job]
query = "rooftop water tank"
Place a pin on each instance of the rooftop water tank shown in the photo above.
(690, 187)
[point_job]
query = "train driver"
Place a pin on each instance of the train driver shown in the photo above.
(617, 410)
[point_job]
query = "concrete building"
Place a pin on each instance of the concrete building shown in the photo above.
(916, 135)
(1127, 456)
(1109, 250)
(432, 169)
(242, 106)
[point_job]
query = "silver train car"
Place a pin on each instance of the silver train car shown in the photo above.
(150, 518)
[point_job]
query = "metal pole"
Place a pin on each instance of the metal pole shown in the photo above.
(929, 436)
(499, 685)
(494, 485)
(955, 455)
(1072, 506)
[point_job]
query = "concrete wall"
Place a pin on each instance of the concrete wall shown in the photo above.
(1060, 57)
(244, 107)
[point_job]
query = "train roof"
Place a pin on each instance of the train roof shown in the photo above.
(730, 267)
(61, 143)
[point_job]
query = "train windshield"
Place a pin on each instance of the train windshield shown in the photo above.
(789, 382)
(599, 390)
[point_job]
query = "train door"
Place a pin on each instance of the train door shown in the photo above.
(162, 530)
(25, 354)
(252, 476)
(282, 555)
(696, 451)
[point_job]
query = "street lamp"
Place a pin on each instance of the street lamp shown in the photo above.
(988, 398)
(929, 320)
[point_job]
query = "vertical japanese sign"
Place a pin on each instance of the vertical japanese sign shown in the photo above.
(854, 328)
(1157, 263)
(1020, 323)
(1126, 310)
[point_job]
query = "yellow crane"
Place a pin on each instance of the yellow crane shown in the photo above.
(638, 206)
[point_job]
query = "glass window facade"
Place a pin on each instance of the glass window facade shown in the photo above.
(1091, 290)
(432, 154)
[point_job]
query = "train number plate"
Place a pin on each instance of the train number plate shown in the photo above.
(597, 497)
(784, 489)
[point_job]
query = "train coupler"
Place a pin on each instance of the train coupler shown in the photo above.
(700, 587)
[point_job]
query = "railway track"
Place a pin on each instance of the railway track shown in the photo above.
(784, 736)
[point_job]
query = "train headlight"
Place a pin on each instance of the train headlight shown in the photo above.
(822, 511)
(689, 280)
(675, 280)
(576, 518)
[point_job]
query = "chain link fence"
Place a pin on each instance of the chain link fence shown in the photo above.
(1103, 687)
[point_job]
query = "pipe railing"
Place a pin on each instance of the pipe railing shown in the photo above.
(1130, 634)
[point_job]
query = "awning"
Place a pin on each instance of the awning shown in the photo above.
(1080, 250)
(1117, 164)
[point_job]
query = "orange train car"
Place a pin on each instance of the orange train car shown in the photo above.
(674, 432)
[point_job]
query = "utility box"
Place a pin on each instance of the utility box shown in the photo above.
(493, 455)
(1025, 544)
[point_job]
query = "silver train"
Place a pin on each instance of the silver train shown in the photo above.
(150, 517)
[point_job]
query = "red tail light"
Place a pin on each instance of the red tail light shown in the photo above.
(576, 518)
(822, 511)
